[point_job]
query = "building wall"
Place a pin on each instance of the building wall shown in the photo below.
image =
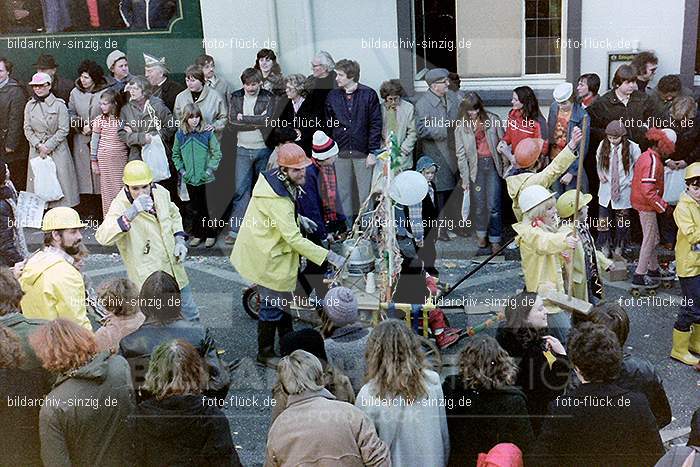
(654, 25)
(295, 29)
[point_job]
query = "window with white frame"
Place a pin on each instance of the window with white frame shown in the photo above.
(503, 40)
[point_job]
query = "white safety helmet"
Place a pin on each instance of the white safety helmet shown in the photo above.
(409, 187)
(533, 196)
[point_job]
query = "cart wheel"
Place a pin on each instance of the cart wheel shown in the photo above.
(432, 354)
(652, 292)
(635, 293)
(251, 301)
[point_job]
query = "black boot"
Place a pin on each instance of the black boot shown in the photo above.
(284, 326)
(266, 344)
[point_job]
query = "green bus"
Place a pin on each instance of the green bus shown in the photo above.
(76, 30)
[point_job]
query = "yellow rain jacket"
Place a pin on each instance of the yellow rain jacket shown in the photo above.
(687, 216)
(148, 245)
(540, 253)
(53, 288)
(580, 284)
(555, 169)
(269, 242)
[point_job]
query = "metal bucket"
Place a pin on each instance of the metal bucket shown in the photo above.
(361, 259)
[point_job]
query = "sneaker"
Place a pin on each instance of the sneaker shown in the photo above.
(230, 238)
(645, 281)
(483, 251)
(512, 246)
(194, 242)
(210, 242)
(661, 274)
(495, 247)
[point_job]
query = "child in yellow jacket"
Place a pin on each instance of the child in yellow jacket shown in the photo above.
(588, 262)
(686, 330)
(542, 245)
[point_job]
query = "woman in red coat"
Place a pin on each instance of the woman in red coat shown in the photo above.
(647, 192)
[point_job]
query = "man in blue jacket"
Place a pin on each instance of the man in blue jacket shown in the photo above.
(355, 119)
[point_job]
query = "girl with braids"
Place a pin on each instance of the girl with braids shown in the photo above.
(524, 121)
(404, 398)
(543, 367)
(615, 161)
(178, 425)
(497, 411)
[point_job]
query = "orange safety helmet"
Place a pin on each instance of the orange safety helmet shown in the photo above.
(292, 155)
(528, 151)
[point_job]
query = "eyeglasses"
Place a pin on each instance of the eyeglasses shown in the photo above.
(441, 81)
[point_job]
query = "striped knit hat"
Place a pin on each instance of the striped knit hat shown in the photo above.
(323, 147)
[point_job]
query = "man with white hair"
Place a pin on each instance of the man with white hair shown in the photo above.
(320, 82)
(300, 436)
(156, 72)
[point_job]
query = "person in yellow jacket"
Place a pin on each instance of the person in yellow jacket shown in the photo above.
(269, 245)
(588, 262)
(522, 172)
(53, 287)
(146, 227)
(686, 330)
(543, 245)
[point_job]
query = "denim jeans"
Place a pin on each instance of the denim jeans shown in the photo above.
(690, 313)
(559, 325)
(273, 304)
(487, 200)
(249, 164)
(187, 304)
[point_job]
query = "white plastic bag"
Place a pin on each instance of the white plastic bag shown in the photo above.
(182, 190)
(46, 183)
(674, 185)
(466, 206)
(154, 155)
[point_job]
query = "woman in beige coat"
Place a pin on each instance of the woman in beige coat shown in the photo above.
(46, 127)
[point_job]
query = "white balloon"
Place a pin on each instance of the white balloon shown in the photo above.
(409, 187)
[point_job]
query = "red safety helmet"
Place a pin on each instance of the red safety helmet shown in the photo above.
(292, 155)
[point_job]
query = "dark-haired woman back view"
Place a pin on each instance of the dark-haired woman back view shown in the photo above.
(483, 407)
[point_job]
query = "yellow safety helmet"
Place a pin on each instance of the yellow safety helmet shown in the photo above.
(61, 218)
(692, 171)
(137, 173)
(565, 203)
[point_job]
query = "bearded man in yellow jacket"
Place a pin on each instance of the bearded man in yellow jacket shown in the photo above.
(269, 244)
(54, 288)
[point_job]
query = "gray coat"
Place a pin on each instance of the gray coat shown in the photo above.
(48, 123)
(141, 124)
(83, 108)
(76, 424)
(212, 105)
(405, 131)
(435, 126)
